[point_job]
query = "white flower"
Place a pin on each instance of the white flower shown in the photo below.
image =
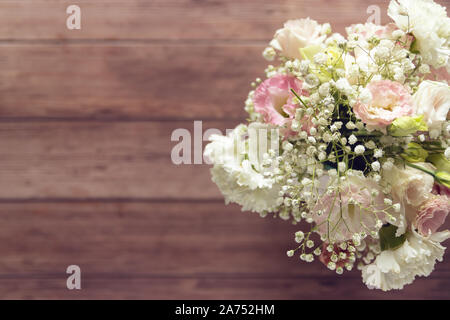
(393, 269)
(376, 166)
(269, 54)
(320, 58)
(382, 52)
(378, 153)
(240, 174)
(352, 139)
(424, 68)
(350, 125)
(326, 28)
(297, 34)
(410, 185)
(365, 96)
(324, 89)
(360, 149)
(344, 86)
(433, 101)
(429, 24)
(397, 34)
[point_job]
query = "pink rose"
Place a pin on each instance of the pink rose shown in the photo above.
(432, 215)
(390, 100)
(274, 100)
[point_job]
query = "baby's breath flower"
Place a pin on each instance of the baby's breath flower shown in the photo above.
(378, 153)
(350, 125)
(388, 165)
(359, 149)
(376, 166)
(447, 153)
(352, 139)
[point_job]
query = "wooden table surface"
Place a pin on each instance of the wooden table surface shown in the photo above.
(86, 177)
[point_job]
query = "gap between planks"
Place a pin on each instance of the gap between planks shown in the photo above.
(134, 42)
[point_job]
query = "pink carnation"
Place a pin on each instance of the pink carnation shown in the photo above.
(432, 215)
(390, 100)
(439, 75)
(274, 99)
(439, 189)
(369, 30)
(340, 215)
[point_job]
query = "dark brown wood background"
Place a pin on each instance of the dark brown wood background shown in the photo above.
(85, 173)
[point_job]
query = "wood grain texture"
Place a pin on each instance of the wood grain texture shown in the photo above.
(85, 171)
(174, 19)
(325, 288)
(127, 82)
(91, 160)
(163, 251)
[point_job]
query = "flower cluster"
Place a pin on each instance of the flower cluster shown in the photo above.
(352, 136)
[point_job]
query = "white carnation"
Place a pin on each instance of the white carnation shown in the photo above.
(429, 24)
(239, 173)
(393, 269)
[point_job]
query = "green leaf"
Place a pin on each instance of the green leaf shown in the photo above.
(388, 240)
(443, 178)
(440, 162)
(414, 153)
(414, 47)
(405, 126)
(308, 53)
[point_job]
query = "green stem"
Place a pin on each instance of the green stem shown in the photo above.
(298, 97)
(421, 169)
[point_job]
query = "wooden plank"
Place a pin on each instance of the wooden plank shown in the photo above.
(174, 19)
(127, 82)
(163, 251)
(90, 160)
(143, 239)
(218, 289)
(124, 238)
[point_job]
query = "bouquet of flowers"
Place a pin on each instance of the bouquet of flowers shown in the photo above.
(352, 136)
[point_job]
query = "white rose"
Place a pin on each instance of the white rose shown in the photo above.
(433, 101)
(409, 185)
(429, 24)
(297, 34)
